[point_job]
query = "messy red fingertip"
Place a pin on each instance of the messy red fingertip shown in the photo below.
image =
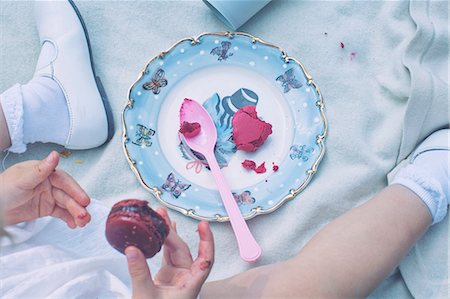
(204, 265)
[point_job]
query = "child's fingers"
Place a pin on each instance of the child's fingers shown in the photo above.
(79, 213)
(65, 182)
(163, 213)
(206, 246)
(176, 251)
(64, 216)
(166, 256)
(40, 170)
(85, 220)
(45, 167)
(141, 279)
(205, 259)
(168, 251)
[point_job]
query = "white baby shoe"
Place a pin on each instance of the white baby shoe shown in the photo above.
(68, 61)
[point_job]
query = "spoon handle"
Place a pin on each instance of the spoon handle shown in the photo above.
(248, 247)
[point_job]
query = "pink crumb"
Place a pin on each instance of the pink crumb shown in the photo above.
(261, 168)
(342, 45)
(352, 56)
(190, 130)
(275, 167)
(249, 164)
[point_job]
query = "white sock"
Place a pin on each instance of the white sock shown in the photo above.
(11, 101)
(36, 111)
(428, 177)
(45, 112)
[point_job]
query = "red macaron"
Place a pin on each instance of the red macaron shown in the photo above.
(133, 223)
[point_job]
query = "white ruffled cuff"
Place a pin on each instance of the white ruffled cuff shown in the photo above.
(11, 101)
(426, 187)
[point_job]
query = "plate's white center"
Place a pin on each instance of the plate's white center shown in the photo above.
(226, 80)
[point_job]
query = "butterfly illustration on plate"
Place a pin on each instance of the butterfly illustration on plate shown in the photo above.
(301, 152)
(143, 135)
(174, 186)
(245, 198)
(288, 80)
(222, 51)
(158, 81)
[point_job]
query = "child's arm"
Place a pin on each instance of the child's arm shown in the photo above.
(34, 189)
(347, 259)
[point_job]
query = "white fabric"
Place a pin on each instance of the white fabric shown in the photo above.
(35, 112)
(45, 112)
(425, 267)
(427, 187)
(48, 260)
(428, 174)
(365, 99)
(11, 101)
(23, 231)
(426, 61)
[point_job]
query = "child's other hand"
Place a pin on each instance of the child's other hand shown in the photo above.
(34, 189)
(180, 276)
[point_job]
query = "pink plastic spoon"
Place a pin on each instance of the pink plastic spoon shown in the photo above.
(204, 143)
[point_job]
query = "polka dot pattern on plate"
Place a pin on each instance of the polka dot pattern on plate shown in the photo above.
(263, 192)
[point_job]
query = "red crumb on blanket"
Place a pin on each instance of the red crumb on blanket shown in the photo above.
(275, 167)
(342, 45)
(352, 56)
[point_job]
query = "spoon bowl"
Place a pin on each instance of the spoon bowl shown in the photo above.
(191, 112)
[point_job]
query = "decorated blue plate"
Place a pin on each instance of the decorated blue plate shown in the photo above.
(224, 72)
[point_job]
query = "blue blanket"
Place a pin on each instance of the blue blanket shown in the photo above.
(381, 66)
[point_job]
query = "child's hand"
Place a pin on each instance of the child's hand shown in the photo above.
(34, 189)
(179, 276)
